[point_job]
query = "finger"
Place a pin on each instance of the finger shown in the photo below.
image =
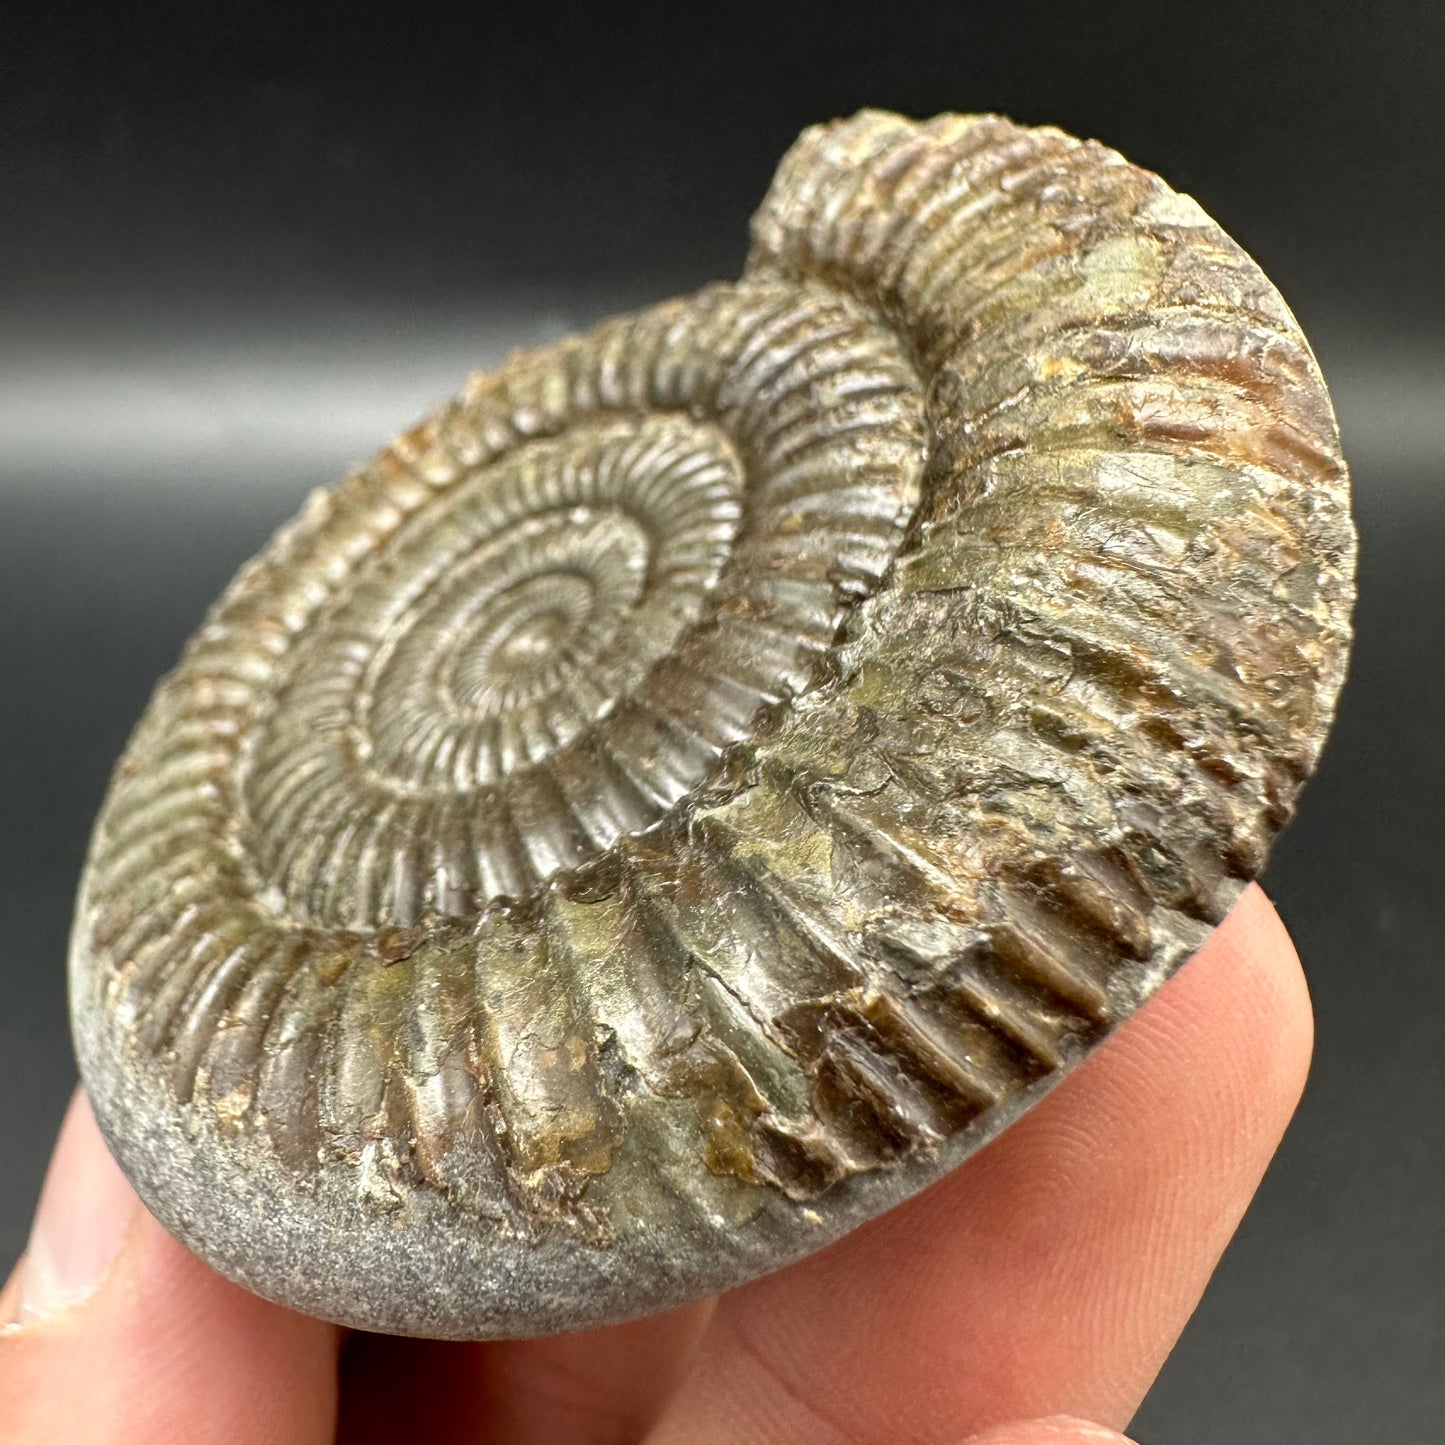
(595, 1388)
(117, 1334)
(1053, 1430)
(1053, 1272)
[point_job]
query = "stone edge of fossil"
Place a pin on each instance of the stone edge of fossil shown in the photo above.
(424, 1273)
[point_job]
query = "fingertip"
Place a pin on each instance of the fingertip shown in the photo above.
(1050, 1430)
(1257, 934)
(1242, 1004)
(85, 1209)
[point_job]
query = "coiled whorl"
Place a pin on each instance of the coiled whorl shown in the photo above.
(706, 780)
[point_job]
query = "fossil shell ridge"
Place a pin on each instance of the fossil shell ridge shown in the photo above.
(703, 782)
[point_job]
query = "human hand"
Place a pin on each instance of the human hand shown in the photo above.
(1034, 1290)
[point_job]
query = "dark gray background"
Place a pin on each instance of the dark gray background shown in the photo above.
(241, 244)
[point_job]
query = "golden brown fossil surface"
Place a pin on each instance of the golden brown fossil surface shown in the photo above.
(703, 782)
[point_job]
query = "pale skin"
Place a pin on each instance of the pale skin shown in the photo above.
(1030, 1298)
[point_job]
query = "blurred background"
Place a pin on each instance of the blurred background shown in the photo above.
(242, 244)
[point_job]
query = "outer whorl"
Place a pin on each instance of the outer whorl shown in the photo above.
(705, 781)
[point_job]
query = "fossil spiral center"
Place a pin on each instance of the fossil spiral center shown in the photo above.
(503, 627)
(551, 648)
(496, 668)
(502, 661)
(531, 635)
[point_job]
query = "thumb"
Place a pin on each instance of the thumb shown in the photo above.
(116, 1333)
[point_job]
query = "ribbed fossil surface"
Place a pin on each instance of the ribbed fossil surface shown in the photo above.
(703, 782)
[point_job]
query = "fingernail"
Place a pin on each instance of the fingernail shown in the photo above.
(85, 1207)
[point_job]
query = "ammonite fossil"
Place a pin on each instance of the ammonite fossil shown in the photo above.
(702, 783)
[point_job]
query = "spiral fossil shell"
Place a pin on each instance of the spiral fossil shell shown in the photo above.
(705, 781)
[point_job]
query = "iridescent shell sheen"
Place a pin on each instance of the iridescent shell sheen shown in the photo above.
(706, 780)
